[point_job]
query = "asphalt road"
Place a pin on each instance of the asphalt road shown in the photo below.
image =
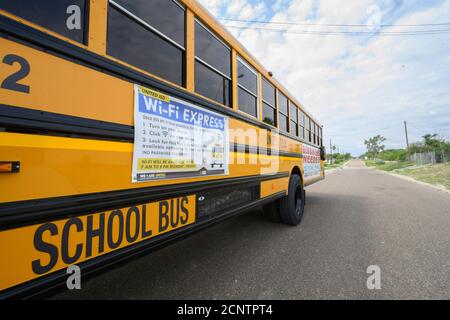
(357, 217)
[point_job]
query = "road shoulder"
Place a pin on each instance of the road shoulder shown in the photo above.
(333, 170)
(436, 187)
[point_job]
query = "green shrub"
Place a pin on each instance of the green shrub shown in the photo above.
(393, 155)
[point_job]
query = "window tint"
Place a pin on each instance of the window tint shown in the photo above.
(268, 92)
(309, 130)
(269, 107)
(302, 132)
(313, 129)
(211, 84)
(283, 122)
(293, 112)
(283, 112)
(212, 66)
(133, 43)
(282, 104)
(293, 128)
(164, 15)
(293, 119)
(247, 102)
(316, 141)
(51, 14)
(269, 114)
(301, 120)
(248, 88)
(320, 136)
(247, 78)
(209, 49)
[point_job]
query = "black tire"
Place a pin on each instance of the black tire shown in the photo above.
(289, 209)
(292, 206)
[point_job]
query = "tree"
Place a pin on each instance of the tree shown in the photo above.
(430, 140)
(430, 143)
(393, 155)
(374, 145)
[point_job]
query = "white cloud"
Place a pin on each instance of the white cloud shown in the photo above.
(357, 86)
(213, 6)
(242, 9)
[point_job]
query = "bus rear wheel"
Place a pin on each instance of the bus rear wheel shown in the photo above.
(290, 208)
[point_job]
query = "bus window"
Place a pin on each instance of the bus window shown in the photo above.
(212, 66)
(132, 39)
(317, 135)
(320, 137)
(282, 112)
(313, 129)
(301, 116)
(308, 128)
(268, 107)
(66, 17)
(166, 16)
(293, 119)
(247, 89)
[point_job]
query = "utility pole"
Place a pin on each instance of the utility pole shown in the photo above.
(406, 135)
(331, 154)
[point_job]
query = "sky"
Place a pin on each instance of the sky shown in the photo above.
(356, 85)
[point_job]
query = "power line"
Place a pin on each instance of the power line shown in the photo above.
(441, 132)
(426, 127)
(318, 32)
(335, 25)
(364, 133)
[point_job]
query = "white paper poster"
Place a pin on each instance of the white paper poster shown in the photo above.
(176, 139)
(311, 162)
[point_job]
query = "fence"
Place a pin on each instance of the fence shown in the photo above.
(431, 157)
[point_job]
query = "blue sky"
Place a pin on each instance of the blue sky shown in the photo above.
(356, 85)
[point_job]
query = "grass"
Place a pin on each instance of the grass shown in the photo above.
(388, 165)
(437, 174)
(336, 164)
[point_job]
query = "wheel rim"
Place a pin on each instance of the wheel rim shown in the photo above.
(298, 201)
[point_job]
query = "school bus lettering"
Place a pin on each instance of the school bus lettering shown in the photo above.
(113, 244)
(172, 212)
(131, 234)
(11, 82)
(77, 239)
(92, 233)
(44, 247)
(66, 257)
(184, 217)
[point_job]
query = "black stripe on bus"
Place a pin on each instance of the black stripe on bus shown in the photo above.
(36, 121)
(245, 148)
(23, 120)
(90, 267)
(28, 212)
(66, 50)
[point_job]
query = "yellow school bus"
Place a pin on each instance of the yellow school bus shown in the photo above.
(125, 125)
